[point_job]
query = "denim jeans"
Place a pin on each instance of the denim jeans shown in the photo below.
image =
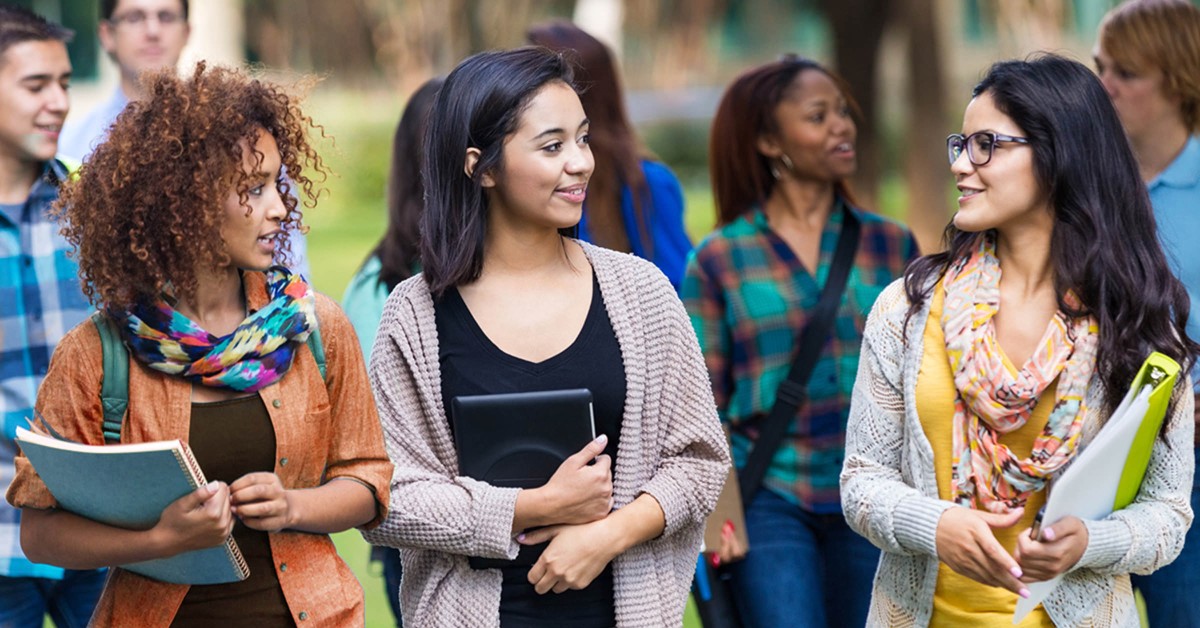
(390, 558)
(803, 569)
(1171, 592)
(24, 602)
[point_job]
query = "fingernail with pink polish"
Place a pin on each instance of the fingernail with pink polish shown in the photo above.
(521, 537)
(1016, 572)
(1023, 593)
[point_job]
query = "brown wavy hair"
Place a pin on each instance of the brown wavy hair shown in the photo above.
(146, 208)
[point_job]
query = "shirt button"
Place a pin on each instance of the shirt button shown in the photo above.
(283, 462)
(303, 615)
(283, 567)
(275, 403)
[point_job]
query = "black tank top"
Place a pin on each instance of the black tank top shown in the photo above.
(472, 365)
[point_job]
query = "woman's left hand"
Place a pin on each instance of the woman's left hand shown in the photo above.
(261, 502)
(1059, 548)
(575, 556)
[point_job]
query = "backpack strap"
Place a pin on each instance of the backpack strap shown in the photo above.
(318, 350)
(114, 387)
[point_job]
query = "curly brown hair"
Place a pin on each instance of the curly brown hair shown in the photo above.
(146, 208)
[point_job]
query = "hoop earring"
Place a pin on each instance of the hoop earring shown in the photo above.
(774, 170)
(787, 161)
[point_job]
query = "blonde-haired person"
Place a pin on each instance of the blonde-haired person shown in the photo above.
(1148, 58)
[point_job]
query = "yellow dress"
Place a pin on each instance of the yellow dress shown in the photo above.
(959, 600)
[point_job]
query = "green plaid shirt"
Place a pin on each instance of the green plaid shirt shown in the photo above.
(748, 297)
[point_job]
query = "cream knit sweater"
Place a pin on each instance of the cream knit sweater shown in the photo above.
(890, 495)
(671, 447)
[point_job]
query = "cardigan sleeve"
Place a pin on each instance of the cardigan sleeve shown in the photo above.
(1149, 533)
(877, 500)
(693, 451)
(434, 508)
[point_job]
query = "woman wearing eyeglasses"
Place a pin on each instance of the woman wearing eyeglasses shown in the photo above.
(992, 364)
(782, 150)
(1148, 57)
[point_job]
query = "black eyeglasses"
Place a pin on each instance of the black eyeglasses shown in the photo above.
(979, 146)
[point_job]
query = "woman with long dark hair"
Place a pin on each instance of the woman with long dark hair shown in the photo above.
(180, 221)
(634, 203)
(994, 363)
(506, 303)
(782, 149)
(1148, 58)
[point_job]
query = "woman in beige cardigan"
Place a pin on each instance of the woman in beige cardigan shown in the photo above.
(506, 303)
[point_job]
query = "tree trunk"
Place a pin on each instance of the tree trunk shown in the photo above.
(925, 167)
(858, 27)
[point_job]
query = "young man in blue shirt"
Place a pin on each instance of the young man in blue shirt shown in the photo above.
(40, 297)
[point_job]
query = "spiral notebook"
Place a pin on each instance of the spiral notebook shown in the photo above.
(128, 486)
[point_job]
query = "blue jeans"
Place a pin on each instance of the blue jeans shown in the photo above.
(803, 569)
(390, 558)
(1171, 592)
(24, 602)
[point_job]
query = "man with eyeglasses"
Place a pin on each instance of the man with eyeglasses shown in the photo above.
(139, 36)
(40, 297)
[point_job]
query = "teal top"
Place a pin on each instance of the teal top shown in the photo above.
(363, 302)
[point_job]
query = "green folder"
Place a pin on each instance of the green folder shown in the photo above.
(1160, 373)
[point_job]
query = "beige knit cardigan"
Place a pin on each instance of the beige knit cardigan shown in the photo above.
(671, 447)
(890, 493)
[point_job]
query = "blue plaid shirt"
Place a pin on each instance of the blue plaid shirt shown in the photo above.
(40, 300)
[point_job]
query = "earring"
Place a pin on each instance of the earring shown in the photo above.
(787, 161)
(774, 170)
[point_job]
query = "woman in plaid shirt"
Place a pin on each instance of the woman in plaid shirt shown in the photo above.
(782, 150)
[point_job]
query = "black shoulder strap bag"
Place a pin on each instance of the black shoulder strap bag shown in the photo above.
(717, 609)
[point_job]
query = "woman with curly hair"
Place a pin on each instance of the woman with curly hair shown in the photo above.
(180, 221)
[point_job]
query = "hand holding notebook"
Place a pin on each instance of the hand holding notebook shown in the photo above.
(144, 486)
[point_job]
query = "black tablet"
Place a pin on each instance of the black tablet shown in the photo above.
(518, 440)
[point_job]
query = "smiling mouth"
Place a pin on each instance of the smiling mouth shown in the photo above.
(966, 193)
(574, 193)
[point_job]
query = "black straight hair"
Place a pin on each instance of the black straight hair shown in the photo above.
(399, 251)
(1104, 245)
(479, 106)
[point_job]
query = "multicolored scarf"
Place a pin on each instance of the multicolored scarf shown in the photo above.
(253, 356)
(991, 401)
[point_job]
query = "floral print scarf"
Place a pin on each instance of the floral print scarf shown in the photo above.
(991, 401)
